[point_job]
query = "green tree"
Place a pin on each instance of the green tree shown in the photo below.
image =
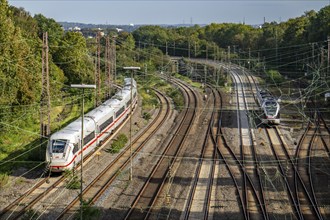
(73, 58)
(319, 28)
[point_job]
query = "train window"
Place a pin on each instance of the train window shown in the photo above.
(89, 137)
(118, 97)
(75, 148)
(106, 124)
(128, 103)
(271, 104)
(121, 110)
(59, 145)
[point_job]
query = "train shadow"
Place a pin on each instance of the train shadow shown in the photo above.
(166, 211)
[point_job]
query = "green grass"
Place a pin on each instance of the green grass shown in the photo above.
(4, 179)
(20, 131)
(118, 144)
(177, 98)
(189, 81)
(146, 116)
(72, 181)
(149, 99)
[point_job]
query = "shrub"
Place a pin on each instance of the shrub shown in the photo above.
(72, 180)
(146, 116)
(118, 144)
(4, 178)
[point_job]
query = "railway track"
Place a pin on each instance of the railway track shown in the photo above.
(254, 201)
(311, 148)
(36, 194)
(301, 198)
(143, 204)
(199, 197)
(97, 187)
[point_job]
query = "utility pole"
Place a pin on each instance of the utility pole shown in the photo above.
(145, 71)
(229, 54)
(166, 50)
(83, 87)
(249, 57)
(98, 71)
(189, 49)
(195, 49)
(114, 61)
(45, 96)
(214, 53)
(328, 70)
(206, 53)
(205, 70)
(108, 65)
(132, 68)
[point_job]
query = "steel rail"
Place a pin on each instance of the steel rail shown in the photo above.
(157, 178)
(108, 173)
(199, 167)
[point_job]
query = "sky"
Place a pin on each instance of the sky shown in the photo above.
(169, 12)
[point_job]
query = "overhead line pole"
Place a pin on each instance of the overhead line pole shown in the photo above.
(132, 68)
(45, 94)
(83, 87)
(328, 70)
(98, 70)
(108, 65)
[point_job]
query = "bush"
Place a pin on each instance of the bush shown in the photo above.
(118, 144)
(275, 76)
(72, 180)
(177, 98)
(4, 178)
(146, 116)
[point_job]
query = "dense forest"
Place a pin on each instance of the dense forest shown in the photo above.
(299, 40)
(292, 47)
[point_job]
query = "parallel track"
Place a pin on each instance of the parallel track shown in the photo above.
(206, 165)
(37, 193)
(142, 205)
(251, 194)
(96, 188)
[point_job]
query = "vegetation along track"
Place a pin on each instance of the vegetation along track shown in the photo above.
(143, 203)
(37, 193)
(97, 187)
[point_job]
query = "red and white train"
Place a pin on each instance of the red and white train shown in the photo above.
(63, 151)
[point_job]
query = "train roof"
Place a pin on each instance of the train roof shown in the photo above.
(73, 130)
(127, 82)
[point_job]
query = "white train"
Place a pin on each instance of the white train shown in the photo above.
(270, 107)
(63, 151)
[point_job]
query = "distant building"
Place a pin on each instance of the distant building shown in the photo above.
(119, 30)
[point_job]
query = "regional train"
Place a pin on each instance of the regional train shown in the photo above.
(269, 106)
(63, 151)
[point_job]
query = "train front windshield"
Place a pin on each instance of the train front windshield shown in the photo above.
(271, 108)
(58, 146)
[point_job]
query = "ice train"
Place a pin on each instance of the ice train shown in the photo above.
(269, 106)
(63, 151)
